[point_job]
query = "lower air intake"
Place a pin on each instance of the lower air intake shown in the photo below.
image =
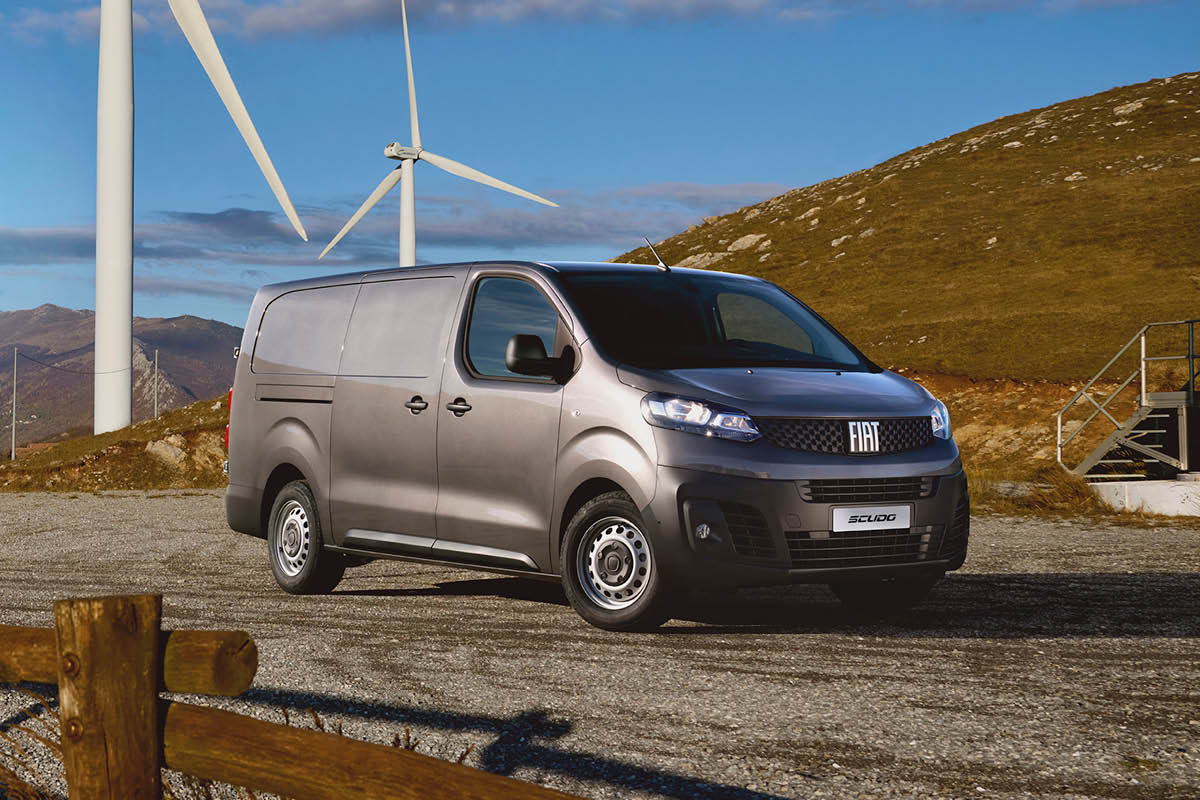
(833, 549)
(748, 530)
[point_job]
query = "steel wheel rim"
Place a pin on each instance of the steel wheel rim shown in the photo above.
(614, 563)
(293, 539)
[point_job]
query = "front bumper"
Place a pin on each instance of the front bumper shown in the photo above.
(765, 532)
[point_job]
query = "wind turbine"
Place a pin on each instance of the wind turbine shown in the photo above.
(114, 191)
(408, 156)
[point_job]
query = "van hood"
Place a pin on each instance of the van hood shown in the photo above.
(789, 392)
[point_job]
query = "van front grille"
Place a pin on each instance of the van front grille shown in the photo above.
(896, 434)
(748, 529)
(833, 549)
(866, 490)
(813, 435)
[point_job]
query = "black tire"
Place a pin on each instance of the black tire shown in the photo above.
(884, 595)
(298, 561)
(634, 595)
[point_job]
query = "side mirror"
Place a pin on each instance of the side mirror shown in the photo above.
(526, 355)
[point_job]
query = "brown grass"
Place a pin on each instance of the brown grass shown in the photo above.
(118, 460)
(1077, 266)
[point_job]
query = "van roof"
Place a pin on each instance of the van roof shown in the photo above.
(541, 266)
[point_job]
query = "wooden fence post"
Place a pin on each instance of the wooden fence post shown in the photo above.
(108, 678)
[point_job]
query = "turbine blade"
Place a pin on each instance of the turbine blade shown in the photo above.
(412, 88)
(471, 174)
(385, 186)
(195, 27)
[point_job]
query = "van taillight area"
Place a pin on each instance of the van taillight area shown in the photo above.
(229, 408)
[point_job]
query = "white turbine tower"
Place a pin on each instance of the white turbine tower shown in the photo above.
(408, 156)
(114, 191)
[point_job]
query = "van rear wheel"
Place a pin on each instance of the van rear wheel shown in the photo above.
(883, 595)
(298, 561)
(608, 568)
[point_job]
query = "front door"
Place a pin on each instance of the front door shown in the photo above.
(498, 431)
(383, 442)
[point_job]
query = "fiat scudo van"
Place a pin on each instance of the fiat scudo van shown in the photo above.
(633, 431)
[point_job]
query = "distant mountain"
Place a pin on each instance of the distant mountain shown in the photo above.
(195, 360)
(1029, 247)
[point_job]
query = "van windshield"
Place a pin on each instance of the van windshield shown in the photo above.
(672, 320)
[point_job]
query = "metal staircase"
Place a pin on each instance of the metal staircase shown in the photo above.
(1153, 442)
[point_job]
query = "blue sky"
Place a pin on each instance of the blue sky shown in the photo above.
(637, 116)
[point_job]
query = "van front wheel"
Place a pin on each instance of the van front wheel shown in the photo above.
(608, 569)
(299, 563)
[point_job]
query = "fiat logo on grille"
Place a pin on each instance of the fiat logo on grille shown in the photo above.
(864, 437)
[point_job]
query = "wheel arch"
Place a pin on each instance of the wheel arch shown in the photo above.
(280, 476)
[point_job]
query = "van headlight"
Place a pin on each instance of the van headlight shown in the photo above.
(693, 416)
(940, 417)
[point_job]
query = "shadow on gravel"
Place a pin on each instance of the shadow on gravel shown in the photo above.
(997, 606)
(519, 741)
(534, 591)
(994, 606)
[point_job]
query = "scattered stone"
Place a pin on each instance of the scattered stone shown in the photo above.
(1014, 144)
(992, 241)
(746, 242)
(839, 240)
(1075, 176)
(166, 452)
(808, 213)
(1129, 108)
(867, 233)
(701, 260)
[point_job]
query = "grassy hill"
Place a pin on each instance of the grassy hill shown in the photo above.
(181, 449)
(1031, 247)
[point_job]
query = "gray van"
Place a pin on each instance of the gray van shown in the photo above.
(633, 431)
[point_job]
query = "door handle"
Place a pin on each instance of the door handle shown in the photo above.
(459, 406)
(416, 405)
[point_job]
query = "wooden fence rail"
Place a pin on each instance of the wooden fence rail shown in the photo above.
(111, 659)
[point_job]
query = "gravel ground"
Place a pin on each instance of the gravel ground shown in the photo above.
(1062, 661)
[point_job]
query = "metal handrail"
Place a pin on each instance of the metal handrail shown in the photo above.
(1100, 408)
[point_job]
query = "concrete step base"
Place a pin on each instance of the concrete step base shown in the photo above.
(1177, 498)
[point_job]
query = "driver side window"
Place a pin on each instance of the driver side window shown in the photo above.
(502, 308)
(753, 320)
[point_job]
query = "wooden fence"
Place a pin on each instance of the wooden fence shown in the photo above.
(111, 659)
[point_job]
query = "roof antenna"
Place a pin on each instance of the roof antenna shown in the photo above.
(662, 267)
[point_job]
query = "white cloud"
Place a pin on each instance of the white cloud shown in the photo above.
(238, 240)
(74, 23)
(261, 18)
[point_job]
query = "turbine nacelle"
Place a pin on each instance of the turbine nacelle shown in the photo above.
(401, 153)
